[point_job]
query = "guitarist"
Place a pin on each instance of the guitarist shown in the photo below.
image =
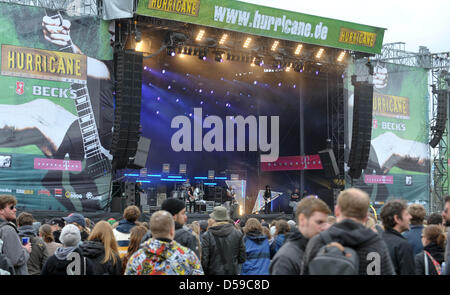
(191, 198)
(267, 198)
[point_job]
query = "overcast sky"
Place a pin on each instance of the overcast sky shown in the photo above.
(417, 23)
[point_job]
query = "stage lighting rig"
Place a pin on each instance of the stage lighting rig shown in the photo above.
(219, 56)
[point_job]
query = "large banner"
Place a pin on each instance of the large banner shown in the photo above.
(268, 22)
(399, 159)
(56, 109)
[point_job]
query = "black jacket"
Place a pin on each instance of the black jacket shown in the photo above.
(232, 247)
(363, 240)
(436, 252)
(39, 253)
(185, 238)
(289, 259)
(401, 252)
(66, 261)
(95, 251)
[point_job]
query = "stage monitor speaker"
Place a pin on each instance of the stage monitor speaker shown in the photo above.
(128, 69)
(329, 164)
(140, 159)
(130, 194)
(441, 118)
(362, 128)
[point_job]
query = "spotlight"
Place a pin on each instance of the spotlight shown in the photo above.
(247, 42)
(275, 45)
(138, 36)
(196, 51)
(218, 56)
(319, 53)
(170, 51)
(341, 56)
(228, 56)
(298, 67)
(202, 53)
(298, 49)
(200, 35)
(258, 61)
(223, 39)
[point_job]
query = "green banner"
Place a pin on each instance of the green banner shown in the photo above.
(399, 159)
(268, 22)
(56, 109)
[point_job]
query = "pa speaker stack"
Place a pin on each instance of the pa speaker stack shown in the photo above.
(329, 163)
(441, 118)
(362, 127)
(128, 107)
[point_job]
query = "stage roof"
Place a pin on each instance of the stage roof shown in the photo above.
(268, 22)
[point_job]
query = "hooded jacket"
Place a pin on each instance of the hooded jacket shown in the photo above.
(122, 235)
(414, 238)
(12, 247)
(363, 240)
(436, 252)
(276, 244)
(401, 252)
(39, 252)
(67, 261)
(231, 250)
(289, 259)
(185, 238)
(163, 257)
(258, 254)
(95, 251)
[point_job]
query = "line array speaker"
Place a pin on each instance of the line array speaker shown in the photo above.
(362, 127)
(441, 118)
(329, 163)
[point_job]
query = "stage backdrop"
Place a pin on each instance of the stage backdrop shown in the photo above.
(399, 159)
(56, 109)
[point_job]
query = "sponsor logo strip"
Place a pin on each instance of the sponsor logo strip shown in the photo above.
(59, 165)
(380, 179)
(311, 162)
(360, 38)
(186, 7)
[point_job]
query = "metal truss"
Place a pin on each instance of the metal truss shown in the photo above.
(438, 65)
(82, 7)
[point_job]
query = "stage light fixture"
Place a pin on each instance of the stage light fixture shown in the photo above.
(258, 61)
(219, 56)
(196, 51)
(228, 56)
(298, 49)
(203, 53)
(170, 51)
(189, 51)
(319, 53)
(298, 67)
(341, 56)
(200, 35)
(180, 50)
(223, 39)
(275, 45)
(247, 42)
(138, 36)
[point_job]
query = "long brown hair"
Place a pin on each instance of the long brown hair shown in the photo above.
(435, 234)
(136, 235)
(102, 231)
(46, 233)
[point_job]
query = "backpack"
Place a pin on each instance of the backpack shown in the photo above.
(334, 259)
(6, 266)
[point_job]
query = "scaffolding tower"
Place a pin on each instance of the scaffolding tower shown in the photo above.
(81, 7)
(438, 65)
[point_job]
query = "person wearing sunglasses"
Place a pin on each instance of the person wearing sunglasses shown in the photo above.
(13, 248)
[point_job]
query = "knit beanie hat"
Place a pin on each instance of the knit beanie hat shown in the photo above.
(70, 236)
(173, 206)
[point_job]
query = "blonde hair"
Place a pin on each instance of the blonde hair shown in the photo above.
(354, 203)
(102, 231)
(160, 224)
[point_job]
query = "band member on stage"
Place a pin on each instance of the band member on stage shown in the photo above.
(267, 197)
(295, 198)
(191, 199)
(137, 194)
(231, 194)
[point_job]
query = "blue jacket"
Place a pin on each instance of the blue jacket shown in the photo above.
(258, 254)
(276, 244)
(414, 237)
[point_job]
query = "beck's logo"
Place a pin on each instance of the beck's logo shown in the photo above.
(19, 87)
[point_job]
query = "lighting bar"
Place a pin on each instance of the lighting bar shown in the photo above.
(131, 174)
(202, 177)
(247, 42)
(219, 177)
(223, 39)
(319, 53)
(147, 181)
(200, 35)
(275, 45)
(210, 183)
(341, 56)
(154, 175)
(171, 176)
(298, 49)
(173, 179)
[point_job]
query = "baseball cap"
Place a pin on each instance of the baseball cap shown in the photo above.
(57, 221)
(75, 218)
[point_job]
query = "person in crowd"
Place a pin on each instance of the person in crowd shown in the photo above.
(264, 223)
(68, 259)
(101, 249)
(446, 223)
(39, 253)
(414, 234)
(292, 225)
(36, 225)
(56, 224)
(111, 221)
(351, 213)
(77, 219)
(211, 222)
(373, 225)
(396, 219)
(282, 229)
(17, 253)
(223, 247)
(89, 224)
(433, 239)
(177, 208)
(331, 220)
(195, 230)
(436, 219)
(122, 232)
(203, 227)
(266, 232)
(311, 215)
(162, 254)
(45, 232)
(257, 249)
(136, 236)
